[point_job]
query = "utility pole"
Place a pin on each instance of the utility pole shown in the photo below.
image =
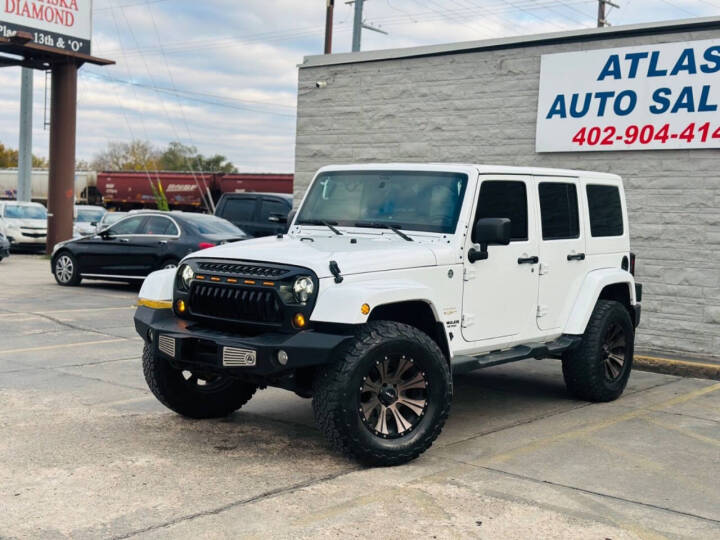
(359, 24)
(602, 16)
(24, 182)
(329, 26)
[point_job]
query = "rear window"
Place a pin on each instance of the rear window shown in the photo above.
(559, 211)
(606, 217)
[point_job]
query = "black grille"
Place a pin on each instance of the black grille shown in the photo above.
(235, 303)
(243, 269)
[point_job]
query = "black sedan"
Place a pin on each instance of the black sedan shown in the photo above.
(139, 244)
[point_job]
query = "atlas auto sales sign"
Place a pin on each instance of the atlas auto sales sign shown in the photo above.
(60, 24)
(651, 97)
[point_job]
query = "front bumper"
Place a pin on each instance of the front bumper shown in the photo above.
(188, 344)
(20, 239)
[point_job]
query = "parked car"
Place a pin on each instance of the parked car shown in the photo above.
(86, 219)
(139, 244)
(392, 278)
(4, 247)
(24, 224)
(108, 219)
(258, 214)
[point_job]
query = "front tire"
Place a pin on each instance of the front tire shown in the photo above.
(386, 397)
(195, 395)
(66, 270)
(599, 368)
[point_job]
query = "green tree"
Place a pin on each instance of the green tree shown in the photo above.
(136, 155)
(9, 158)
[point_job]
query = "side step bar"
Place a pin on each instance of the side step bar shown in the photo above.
(465, 364)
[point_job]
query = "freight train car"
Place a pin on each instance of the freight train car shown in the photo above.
(85, 186)
(255, 182)
(184, 191)
(130, 190)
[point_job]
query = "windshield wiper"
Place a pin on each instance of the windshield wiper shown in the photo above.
(381, 225)
(328, 224)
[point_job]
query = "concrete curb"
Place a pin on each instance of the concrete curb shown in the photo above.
(683, 368)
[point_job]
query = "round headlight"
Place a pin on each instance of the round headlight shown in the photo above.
(303, 289)
(186, 274)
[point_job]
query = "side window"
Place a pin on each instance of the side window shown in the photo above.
(127, 226)
(559, 211)
(606, 217)
(160, 226)
(270, 207)
(505, 199)
(239, 209)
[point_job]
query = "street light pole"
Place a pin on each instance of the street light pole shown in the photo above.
(24, 181)
(329, 26)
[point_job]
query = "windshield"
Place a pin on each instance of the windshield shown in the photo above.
(205, 224)
(409, 200)
(25, 212)
(89, 216)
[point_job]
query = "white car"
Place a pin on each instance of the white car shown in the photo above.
(86, 219)
(392, 278)
(24, 224)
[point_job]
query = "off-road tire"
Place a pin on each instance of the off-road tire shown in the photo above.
(74, 278)
(170, 388)
(583, 367)
(336, 398)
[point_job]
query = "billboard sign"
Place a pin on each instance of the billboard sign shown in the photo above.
(653, 97)
(62, 24)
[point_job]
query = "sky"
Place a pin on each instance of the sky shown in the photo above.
(222, 74)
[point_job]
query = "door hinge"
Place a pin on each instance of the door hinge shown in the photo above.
(544, 269)
(468, 274)
(542, 311)
(468, 320)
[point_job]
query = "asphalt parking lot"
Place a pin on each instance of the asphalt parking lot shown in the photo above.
(87, 452)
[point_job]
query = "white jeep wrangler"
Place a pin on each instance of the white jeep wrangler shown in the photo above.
(392, 278)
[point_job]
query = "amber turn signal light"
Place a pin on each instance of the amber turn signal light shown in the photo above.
(299, 320)
(180, 306)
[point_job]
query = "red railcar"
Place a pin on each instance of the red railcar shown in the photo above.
(184, 191)
(257, 182)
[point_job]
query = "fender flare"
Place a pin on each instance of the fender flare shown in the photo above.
(342, 303)
(590, 291)
(158, 286)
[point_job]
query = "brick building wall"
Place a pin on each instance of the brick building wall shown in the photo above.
(479, 106)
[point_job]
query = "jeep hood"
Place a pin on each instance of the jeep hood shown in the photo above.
(367, 255)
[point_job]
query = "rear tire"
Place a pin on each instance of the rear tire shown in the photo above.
(599, 368)
(385, 398)
(66, 270)
(219, 396)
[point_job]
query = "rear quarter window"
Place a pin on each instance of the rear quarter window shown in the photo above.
(605, 208)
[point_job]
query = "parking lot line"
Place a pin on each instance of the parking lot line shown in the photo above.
(83, 309)
(65, 345)
(598, 426)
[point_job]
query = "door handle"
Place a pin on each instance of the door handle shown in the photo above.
(528, 260)
(124, 240)
(162, 242)
(576, 257)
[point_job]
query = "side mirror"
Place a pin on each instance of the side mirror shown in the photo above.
(93, 223)
(277, 218)
(489, 232)
(291, 216)
(106, 234)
